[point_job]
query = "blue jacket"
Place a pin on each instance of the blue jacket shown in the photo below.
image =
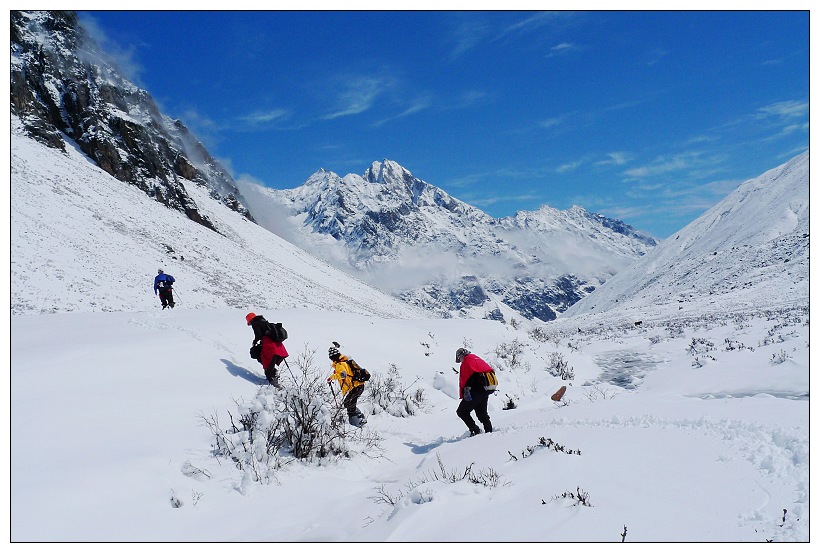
(166, 280)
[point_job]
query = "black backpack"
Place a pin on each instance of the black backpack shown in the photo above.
(256, 352)
(275, 331)
(359, 374)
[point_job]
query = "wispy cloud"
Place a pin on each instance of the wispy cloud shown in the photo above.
(557, 121)
(416, 106)
(263, 117)
(470, 98)
(615, 158)
(206, 129)
(466, 35)
(787, 109)
(562, 49)
(659, 204)
(572, 165)
(485, 201)
(685, 161)
(123, 56)
(578, 119)
(531, 23)
(357, 94)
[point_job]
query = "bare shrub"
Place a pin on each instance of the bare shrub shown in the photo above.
(511, 355)
(780, 357)
(557, 366)
(303, 422)
(488, 478)
(596, 392)
(389, 394)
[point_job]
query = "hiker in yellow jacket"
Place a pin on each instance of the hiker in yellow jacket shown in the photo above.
(351, 389)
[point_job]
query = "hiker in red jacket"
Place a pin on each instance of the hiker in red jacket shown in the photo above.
(264, 349)
(472, 380)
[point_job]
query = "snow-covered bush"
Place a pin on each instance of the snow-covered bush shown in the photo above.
(389, 394)
(488, 478)
(540, 334)
(732, 345)
(700, 346)
(511, 355)
(675, 330)
(544, 443)
(557, 366)
(302, 421)
(780, 357)
(578, 497)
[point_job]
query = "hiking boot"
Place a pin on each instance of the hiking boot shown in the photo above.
(475, 432)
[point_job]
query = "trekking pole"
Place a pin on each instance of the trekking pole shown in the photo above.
(290, 371)
(332, 391)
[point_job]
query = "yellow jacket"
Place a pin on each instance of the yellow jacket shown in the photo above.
(344, 374)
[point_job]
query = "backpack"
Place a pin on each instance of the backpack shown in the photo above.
(256, 351)
(167, 282)
(276, 332)
(359, 374)
(491, 381)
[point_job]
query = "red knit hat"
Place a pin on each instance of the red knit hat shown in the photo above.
(249, 317)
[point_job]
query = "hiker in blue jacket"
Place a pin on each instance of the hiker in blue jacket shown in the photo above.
(163, 284)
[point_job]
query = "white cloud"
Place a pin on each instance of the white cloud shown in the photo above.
(561, 49)
(791, 108)
(615, 158)
(571, 166)
(358, 94)
(261, 117)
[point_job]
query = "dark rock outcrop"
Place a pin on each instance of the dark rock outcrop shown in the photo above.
(63, 86)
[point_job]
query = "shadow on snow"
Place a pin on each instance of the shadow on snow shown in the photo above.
(242, 372)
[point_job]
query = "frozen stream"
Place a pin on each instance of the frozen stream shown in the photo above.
(626, 368)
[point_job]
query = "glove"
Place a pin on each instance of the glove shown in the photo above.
(466, 394)
(329, 379)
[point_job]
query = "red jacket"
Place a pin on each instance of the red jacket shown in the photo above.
(269, 349)
(471, 364)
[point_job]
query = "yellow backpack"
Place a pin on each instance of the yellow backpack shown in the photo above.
(491, 381)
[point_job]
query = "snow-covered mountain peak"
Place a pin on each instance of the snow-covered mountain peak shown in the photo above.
(752, 247)
(388, 172)
(450, 256)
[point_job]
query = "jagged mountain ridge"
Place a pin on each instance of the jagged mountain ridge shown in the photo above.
(387, 224)
(83, 241)
(752, 245)
(64, 85)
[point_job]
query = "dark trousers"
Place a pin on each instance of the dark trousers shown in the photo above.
(350, 400)
(270, 371)
(166, 296)
(478, 403)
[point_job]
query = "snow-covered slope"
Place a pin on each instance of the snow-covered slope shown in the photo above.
(751, 250)
(413, 239)
(82, 240)
(664, 444)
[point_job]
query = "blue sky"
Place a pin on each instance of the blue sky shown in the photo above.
(648, 117)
